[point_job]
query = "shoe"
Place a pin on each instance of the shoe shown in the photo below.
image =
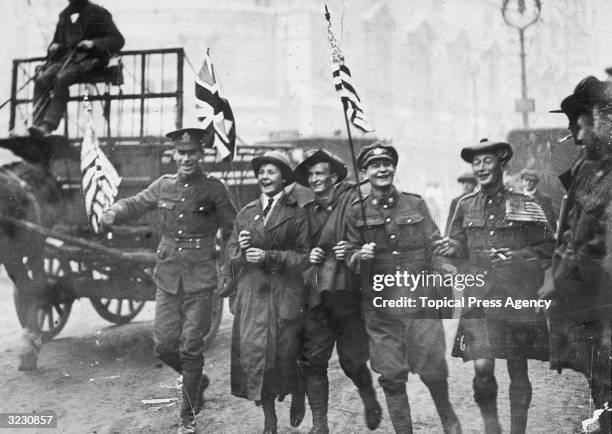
(372, 409)
(198, 405)
(40, 130)
(187, 426)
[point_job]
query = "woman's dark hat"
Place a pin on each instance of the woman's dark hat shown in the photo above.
(314, 156)
(277, 158)
(499, 147)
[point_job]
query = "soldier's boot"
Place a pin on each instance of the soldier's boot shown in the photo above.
(371, 407)
(439, 394)
(399, 409)
(28, 351)
(189, 391)
(317, 390)
(270, 421)
(520, 399)
(298, 401)
(199, 400)
(485, 395)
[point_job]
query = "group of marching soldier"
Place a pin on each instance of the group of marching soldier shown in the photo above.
(300, 278)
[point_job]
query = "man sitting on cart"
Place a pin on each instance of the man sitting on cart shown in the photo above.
(85, 38)
(192, 206)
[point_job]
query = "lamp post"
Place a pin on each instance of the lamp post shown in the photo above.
(521, 14)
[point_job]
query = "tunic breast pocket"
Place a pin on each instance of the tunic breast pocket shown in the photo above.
(204, 207)
(410, 228)
(374, 227)
(166, 212)
(474, 228)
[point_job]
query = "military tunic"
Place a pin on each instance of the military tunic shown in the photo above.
(190, 212)
(401, 339)
(503, 219)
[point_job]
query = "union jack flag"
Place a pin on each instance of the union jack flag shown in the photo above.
(212, 107)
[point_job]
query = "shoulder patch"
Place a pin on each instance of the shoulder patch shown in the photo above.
(213, 178)
(412, 194)
(467, 196)
(523, 209)
(251, 204)
(168, 176)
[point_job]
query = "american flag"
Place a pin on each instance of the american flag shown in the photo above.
(343, 82)
(100, 179)
(212, 107)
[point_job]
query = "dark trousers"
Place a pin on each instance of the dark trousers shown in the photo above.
(181, 322)
(55, 83)
(337, 320)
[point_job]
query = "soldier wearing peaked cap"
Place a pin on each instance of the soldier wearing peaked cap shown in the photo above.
(334, 301)
(398, 236)
(505, 237)
(530, 180)
(192, 206)
(578, 282)
(468, 183)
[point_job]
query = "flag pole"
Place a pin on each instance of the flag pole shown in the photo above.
(350, 139)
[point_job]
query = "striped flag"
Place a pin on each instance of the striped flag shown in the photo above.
(343, 82)
(100, 181)
(212, 107)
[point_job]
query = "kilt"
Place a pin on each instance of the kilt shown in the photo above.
(486, 338)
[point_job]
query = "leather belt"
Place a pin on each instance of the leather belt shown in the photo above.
(206, 242)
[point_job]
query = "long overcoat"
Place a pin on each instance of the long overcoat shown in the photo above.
(270, 303)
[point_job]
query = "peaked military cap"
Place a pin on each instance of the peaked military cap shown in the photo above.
(529, 174)
(314, 156)
(468, 177)
(376, 151)
(499, 147)
(277, 158)
(191, 138)
(587, 94)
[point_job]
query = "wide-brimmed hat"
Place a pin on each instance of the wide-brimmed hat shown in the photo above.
(587, 94)
(468, 177)
(499, 147)
(191, 138)
(314, 156)
(277, 158)
(376, 151)
(530, 174)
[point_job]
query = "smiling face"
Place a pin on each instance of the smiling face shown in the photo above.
(187, 160)
(488, 169)
(321, 179)
(380, 173)
(529, 183)
(270, 179)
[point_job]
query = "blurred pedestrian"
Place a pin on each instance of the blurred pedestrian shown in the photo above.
(530, 180)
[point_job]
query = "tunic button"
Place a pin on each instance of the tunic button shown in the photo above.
(186, 185)
(390, 200)
(492, 233)
(329, 208)
(182, 199)
(471, 224)
(489, 201)
(180, 249)
(491, 217)
(510, 224)
(409, 220)
(180, 216)
(485, 272)
(374, 201)
(385, 206)
(392, 236)
(180, 232)
(388, 219)
(201, 208)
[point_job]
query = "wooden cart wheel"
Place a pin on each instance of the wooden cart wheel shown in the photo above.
(53, 307)
(117, 310)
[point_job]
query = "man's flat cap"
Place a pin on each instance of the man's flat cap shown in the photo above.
(314, 156)
(499, 147)
(278, 159)
(587, 94)
(468, 177)
(376, 151)
(191, 138)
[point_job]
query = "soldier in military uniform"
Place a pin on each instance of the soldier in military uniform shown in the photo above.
(578, 284)
(504, 235)
(397, 236)
(334, 300)
(192, 206)
(530, 180)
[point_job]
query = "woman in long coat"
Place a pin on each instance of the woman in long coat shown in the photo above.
(268, 251)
